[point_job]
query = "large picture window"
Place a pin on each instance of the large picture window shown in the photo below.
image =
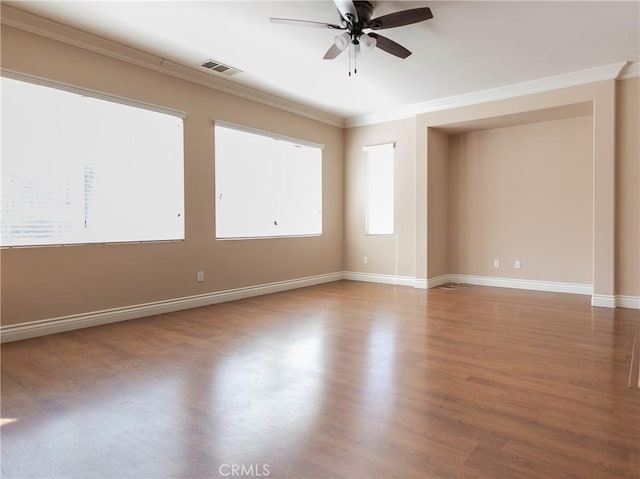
(266, 185)
(79, 169)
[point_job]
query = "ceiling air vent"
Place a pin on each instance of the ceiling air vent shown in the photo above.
(219, 67)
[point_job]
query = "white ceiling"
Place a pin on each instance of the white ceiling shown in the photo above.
(466, 47)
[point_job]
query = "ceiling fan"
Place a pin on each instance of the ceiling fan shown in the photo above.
(355, 21)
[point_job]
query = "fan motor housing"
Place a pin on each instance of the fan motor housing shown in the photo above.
(364, 9)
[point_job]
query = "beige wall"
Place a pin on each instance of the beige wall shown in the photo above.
(41, 283)
(628, 188)
(387, 254)
(438, 240)
(523, 193)
(597, 135)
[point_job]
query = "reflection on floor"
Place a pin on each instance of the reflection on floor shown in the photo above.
(339, 380)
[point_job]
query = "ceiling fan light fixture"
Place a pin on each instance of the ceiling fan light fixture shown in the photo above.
(342, 41)
(367, 43)
(355, 18)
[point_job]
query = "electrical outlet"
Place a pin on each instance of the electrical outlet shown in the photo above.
(365, 260)
(200, 276)
(517, 264)
(496, 263)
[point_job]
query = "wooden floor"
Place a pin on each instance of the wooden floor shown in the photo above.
(346, 379)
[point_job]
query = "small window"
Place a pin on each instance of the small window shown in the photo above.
(266, 185)
(378, 162)
(79, 169)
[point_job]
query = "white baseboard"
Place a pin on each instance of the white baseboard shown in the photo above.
(597, 300)
(603, 300)
(623, 301)
(551, 286)
(420, 283)
(77, 321)
(617, 301)
(438, 281)
(380, 278)
(67, 323)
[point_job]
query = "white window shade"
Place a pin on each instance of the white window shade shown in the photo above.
(266, 185)
(78, 169)
(379, 178)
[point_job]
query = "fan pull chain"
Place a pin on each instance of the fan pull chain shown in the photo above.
(353, 51)
(355, 59)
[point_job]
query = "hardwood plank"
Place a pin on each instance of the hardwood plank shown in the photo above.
(634, 368)
(344, 379)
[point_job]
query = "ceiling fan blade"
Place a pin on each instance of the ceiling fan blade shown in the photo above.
(399, 19)
(306, 23)
(332, 52)
(389, 46)
(347, 9)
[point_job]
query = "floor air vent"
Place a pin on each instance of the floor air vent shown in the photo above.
(219, 67)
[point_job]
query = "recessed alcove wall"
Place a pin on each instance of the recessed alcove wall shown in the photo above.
(562, 116)
(514, 188)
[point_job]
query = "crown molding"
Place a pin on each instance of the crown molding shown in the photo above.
(591, 75)
(632, 70)
(29, 22)
(44, 27)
